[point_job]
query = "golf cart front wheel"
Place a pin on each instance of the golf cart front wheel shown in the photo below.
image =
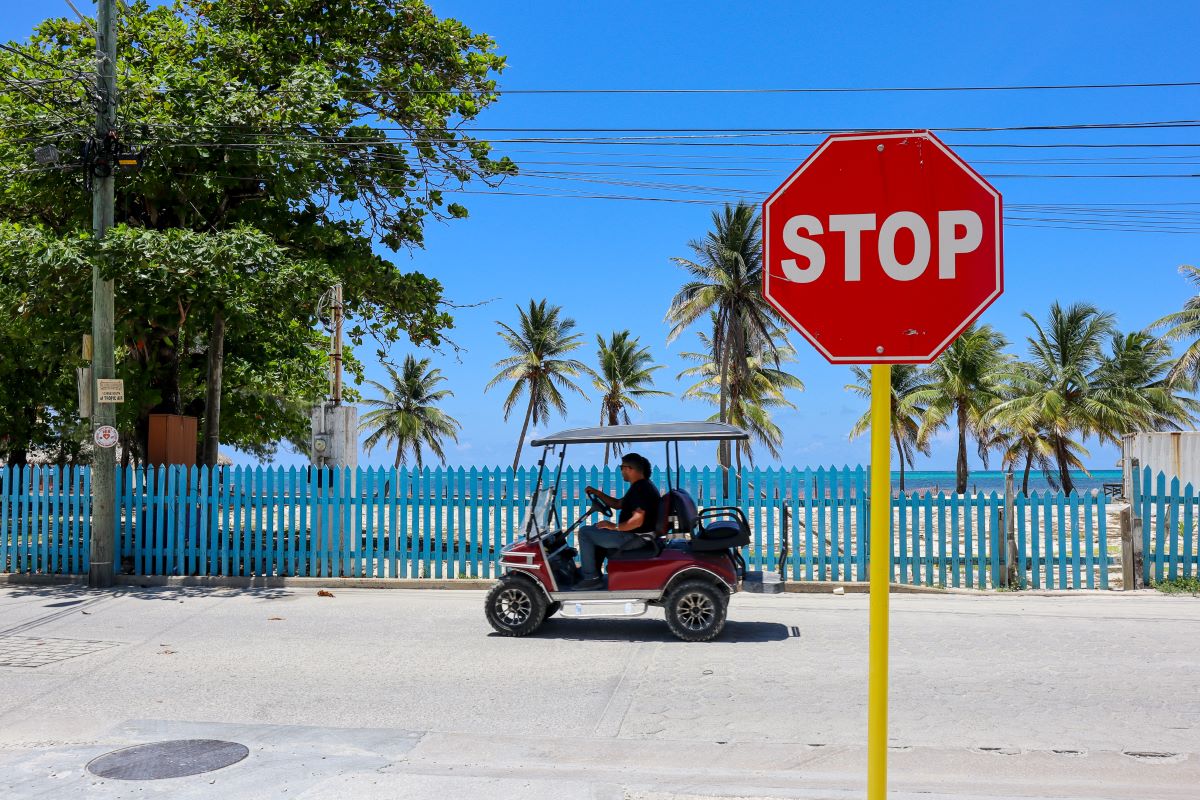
(515, 607)
(696, 611)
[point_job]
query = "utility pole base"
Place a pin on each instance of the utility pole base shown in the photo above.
(100, 575)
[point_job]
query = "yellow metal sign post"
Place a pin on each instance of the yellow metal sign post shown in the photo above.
(811, 276)
(881, 574)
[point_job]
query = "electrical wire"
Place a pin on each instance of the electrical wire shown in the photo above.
(797, 90)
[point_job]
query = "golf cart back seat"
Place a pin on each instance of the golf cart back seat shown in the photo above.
(728, 528)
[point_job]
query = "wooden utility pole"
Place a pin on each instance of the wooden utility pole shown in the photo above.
(102, 164)
(335, 353)
(212, 403)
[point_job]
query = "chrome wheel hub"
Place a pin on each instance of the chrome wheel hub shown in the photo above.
(696, 611)
(513, 607)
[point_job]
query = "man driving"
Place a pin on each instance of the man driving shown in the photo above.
(639, 514)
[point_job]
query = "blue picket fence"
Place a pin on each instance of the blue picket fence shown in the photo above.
(1169, 519)
(452, 523)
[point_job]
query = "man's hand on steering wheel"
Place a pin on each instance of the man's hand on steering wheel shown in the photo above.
(598, 502)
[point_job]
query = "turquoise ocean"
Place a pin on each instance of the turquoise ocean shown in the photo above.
(989, 481)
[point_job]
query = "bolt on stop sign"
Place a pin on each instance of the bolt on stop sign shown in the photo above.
(881, 248)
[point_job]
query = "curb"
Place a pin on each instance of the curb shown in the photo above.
(236, 582)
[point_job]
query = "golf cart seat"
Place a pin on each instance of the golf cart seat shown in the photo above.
(676, 514)
(728, 530)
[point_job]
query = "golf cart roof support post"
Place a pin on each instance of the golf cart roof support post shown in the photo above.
(668, 446)
(678, 466)
(537, 485)
(553, 515)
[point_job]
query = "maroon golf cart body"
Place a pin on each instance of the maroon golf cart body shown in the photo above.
(689, 566)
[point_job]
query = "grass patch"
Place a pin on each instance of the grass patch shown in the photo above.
(1179, 586)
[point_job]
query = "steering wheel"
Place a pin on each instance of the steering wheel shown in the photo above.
(598, 505)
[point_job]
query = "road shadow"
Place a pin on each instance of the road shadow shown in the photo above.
(64, 595)
(656, 630)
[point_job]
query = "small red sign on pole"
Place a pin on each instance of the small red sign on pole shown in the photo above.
(881, 248)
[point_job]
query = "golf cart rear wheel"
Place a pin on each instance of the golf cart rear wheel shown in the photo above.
(515, 607)
(696, 611)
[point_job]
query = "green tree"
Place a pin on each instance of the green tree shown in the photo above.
(624, 377)
(912, 393)
(964, 380)
(325, 129)
(407, 412)
(1024, 445)
(1139, 390)
(1184, 325)
(1054, 391)
(537, 367)
(751, 393)
(725, 285)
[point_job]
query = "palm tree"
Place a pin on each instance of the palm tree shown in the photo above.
(1054, 392)
(1185, 324)
(750, 394)
(1137, 380)
(1021, 439)
(726, 283)
(964, 377)
(407, 413)
(624, 377)
(912, 394)
(1029, 447)
(537, 366)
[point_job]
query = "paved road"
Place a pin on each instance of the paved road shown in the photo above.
(375, 693)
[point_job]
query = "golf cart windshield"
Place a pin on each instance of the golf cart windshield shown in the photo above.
(542, 516)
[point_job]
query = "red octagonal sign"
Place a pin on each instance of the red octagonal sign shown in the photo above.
(882, 247)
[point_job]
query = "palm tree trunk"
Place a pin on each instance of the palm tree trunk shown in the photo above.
(723, 446)
(960, 477)
(900, 452)
(1028, 464)
(524, 428)
(606, 444)
(1064, 471)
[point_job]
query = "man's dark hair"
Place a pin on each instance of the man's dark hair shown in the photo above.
(639, 461)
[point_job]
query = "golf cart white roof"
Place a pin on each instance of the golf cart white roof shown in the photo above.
(653, 432)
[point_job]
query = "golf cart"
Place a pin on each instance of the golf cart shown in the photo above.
(689, 565)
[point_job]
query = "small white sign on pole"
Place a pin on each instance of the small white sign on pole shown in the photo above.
(105, 436)
(110, 390)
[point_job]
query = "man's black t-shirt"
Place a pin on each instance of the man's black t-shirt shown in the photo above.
(643, 495)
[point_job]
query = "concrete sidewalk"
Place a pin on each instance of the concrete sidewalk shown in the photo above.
(408, 694)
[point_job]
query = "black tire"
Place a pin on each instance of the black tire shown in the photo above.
(553, 609)
(515, 607)
(696, 611)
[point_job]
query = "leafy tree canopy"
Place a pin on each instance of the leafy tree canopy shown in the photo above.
(281, 141)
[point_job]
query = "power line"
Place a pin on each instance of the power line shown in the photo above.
(695, 132)
(809, 89)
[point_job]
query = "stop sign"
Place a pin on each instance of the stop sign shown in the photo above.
(882, 247)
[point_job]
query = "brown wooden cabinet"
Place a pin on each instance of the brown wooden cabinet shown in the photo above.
(172, 440)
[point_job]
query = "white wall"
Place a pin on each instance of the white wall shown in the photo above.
(1175, 454)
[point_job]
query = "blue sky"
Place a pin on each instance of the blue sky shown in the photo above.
(607, 262)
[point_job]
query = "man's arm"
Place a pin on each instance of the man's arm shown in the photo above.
(607, 499)
(633, 523)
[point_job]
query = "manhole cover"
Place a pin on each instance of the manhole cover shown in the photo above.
(150, 762)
